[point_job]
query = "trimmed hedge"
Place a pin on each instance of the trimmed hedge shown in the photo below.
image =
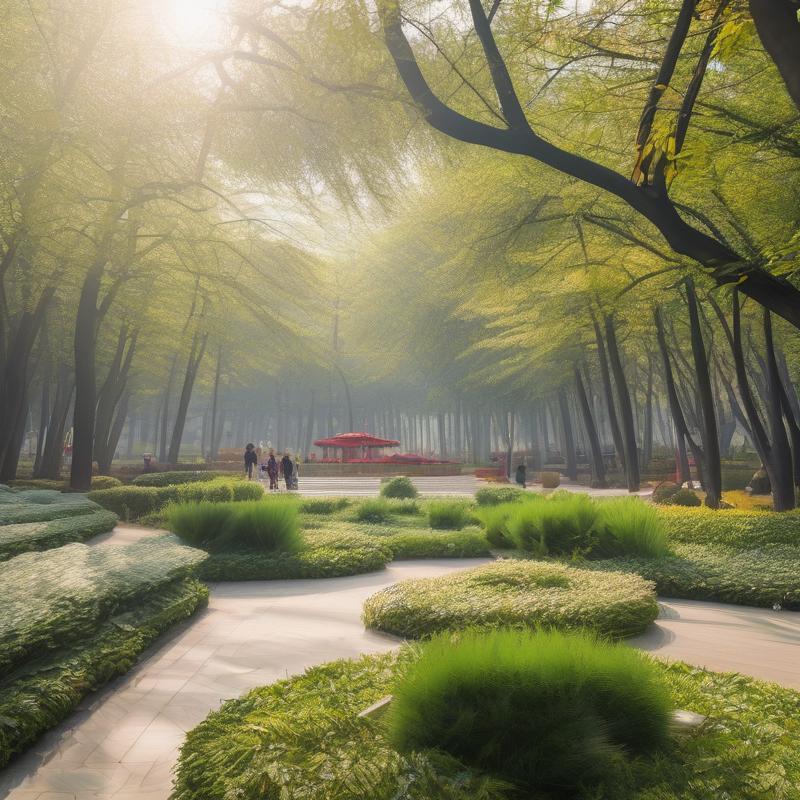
(134, 502)
(24, 537)
(180, 476)
(60, 596)
(17, 513)
(41, 694)
(98, 482)
(302, 738)
(325, 555)
(518, 594)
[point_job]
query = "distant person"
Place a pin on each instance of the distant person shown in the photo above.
(250, 460)
(272, 471)
(296, 471)
(287, 469)
(521, 475)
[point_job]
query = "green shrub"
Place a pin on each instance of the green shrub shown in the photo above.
(178, 476)
(98, 482)
(627, 525)
(245, 490)
(105, 482)
(494, 520)
(516, 593)
(400, 487)
(684, 497)
(550, 480)
(424, 543)
(27, 536)
(323, 505)
(270, 525)
(544, 710)
(34, 700)
(448, 514)
(560, 525)
(403, 507)
(498, 495)
(375, 510)
(20, 512)
(664, 492)
(323, 555)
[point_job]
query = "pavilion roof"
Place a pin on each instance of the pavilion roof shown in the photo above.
(356, 440)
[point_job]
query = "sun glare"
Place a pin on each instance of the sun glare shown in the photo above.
(193, 23)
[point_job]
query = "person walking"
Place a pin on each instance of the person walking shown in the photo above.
(272, 471)
(250, 460)
(287, 468)
(521, 475)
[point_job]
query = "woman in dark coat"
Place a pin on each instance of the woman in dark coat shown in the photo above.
(250, 460)
(272, 472)
(287, 468)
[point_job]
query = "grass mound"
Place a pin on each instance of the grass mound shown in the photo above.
(448, 514)
(543, 710)
(516, 594)
(219, 527)
(175, 477)
(627, 525)
(400, 487)
(323, 554)
(302, 738)
(26, 536)
(497, 495)
(76, 616)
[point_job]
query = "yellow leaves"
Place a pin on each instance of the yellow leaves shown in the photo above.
(658, 153)
(736, 33)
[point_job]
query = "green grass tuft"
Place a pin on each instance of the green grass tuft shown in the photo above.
(400, 487)
(448, 514)
(559, 525)
(628, 526)
(544, 710)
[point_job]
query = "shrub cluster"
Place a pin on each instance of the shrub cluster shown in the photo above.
(133, 502)
(323, 505)
(448, 514)
(76, 616)
(98, 482)
(177, 477)
(261, 525)
(303, 738)
(544, 710)
(496, 495)
(516, 593)
(399, 487)
(27, 536)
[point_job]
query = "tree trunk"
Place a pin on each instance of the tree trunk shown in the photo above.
(626, 411)
(53, 453)
(608, 390)
(598, 466)
(568, 436)
(213, 441)
(196, 353)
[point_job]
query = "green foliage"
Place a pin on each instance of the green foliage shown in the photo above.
(558, 526)
(133, 502)
(515, 593)
(22, 511)
(664, 492)
(302, 738)
(425, 543)
(760, 577)
(497, 495)
(34, 698)
(400, 487)
(260, 525)
(494, 520)
(448, 514)
(544, 710)
(98, 482)
(683, 497)
(627, 525)
(176, 477)
(323, 555)
(375, 510)
(26, 536)
(59, 596)
(323, 505)
(747, 530)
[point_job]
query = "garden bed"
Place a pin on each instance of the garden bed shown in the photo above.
(516, 593)
(303, 738)
(76, 616)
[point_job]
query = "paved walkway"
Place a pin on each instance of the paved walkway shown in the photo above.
(122, 743)
(454, 485)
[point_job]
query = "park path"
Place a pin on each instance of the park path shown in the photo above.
(123, 741)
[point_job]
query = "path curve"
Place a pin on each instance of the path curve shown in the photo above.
(123, 741)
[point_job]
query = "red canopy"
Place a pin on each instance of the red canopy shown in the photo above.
(356, 440)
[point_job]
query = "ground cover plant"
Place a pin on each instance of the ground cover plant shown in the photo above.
(26, 536)
(98, 482)
(175, 477)
(260, 525)
(76, 616)
(134, 502)
(399, 487)
(515, 593)
(302, 738)
(541, 709)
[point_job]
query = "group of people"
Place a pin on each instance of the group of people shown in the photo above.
(287, 468)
